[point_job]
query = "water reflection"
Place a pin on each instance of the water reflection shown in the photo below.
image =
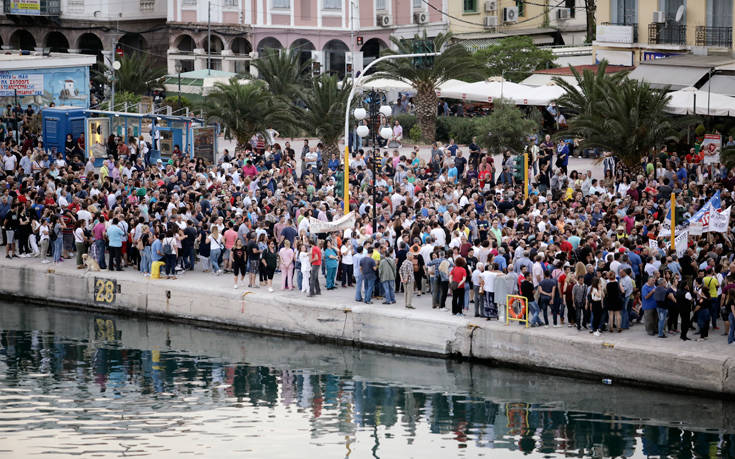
(71, 385)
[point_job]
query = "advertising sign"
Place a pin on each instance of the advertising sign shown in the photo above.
(26, 84)
(711, 146)
(204, 143)
(26, 7)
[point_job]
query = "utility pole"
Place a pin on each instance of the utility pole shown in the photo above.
(209, 37)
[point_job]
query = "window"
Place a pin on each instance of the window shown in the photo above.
(624, 12)
(331, 4)
(380, 5)
(418, 4)
(571, 4)
(719, 13)
(189, 3)
(521, 7)
(470, 6)
(670, 7)
(231, 3)
(285, 4)
(147, 5)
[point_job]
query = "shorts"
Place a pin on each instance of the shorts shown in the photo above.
(10, 235)
(269, 273)
(238, 269)
(253, 266)
(226, 254)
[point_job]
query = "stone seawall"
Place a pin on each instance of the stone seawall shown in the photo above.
(628, 357)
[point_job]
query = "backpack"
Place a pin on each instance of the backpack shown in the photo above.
(52, 235)
(167, 249)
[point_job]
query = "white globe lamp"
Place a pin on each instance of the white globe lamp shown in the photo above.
(363, 130)
(386, 111)
(386, 133)
(360, 114)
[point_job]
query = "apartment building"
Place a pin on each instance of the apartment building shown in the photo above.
(479, 23)
(98, 27)
(340, 36)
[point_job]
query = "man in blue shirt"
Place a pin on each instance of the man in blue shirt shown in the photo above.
(650, 319)
(157, 248)
(115, 236)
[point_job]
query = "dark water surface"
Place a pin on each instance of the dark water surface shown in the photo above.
(94, 385)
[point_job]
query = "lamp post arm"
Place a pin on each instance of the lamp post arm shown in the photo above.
(355, 83)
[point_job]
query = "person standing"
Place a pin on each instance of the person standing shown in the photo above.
(684, 306)
(387, 273)
(347, 267)
(458, 276)
(547, 295)
(649, 306)
(331, 260)
(253, 254)
(614, 301)
(478, 288)
(407, 279)
(663, 296)
(316, 262)
(367, 272)
(359, 280)
(286, 259)
(115, 236)
(99, 240)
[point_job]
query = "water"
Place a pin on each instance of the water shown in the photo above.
(92, 385)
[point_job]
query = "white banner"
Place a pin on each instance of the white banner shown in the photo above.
(21, 83)
(680, 242)
(341, 224)
(696, 229)
(720, 221)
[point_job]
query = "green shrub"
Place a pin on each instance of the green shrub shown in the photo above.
(415, 133)
(700, 130)
(407, 121)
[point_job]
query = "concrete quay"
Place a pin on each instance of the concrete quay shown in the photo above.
(631, 357)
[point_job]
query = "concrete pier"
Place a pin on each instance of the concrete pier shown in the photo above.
(630, 357)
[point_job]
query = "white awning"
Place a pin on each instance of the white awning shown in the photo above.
(683, 103)
(483, 91)
(675, 76)
(721, 84)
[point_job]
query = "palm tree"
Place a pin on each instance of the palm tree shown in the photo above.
(324, 109)
(137, 74)
(589, 89)
(284, 72)
(454, 62)
(244, 110)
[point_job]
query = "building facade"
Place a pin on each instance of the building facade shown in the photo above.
(479, 23)
(85, 26)
(338, 35)
(630, 32)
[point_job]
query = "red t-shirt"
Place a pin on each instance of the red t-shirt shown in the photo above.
(457, 274)
(316, 253)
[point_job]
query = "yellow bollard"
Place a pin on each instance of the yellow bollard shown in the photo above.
(156, 269)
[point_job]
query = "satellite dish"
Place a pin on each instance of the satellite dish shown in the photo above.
(680, 13)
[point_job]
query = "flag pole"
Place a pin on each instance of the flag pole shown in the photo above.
(673, 221)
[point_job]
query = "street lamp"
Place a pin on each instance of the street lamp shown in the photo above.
(178, 71)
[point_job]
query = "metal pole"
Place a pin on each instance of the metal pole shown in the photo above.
(17, 127)
(112, 92)
(709, 87)
(179, 89)
(355, 83)
(373, 113)
(209, 37)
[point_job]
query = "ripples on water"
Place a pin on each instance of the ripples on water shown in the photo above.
(73, 383)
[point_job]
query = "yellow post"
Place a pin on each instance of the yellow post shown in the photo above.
(525, 175)
(673, 221)
(346, 181)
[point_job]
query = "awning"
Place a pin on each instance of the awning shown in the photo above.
(660, 76)
(683, 103)
(721, 84)
(542, 79)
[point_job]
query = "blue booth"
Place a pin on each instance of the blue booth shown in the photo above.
(59, 121)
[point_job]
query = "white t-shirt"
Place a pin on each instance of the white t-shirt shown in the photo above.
(346, 251)
(488, 277)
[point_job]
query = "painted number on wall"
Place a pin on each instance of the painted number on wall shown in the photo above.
(104, 290)
(104, 329)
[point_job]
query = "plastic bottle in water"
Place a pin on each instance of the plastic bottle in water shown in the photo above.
(607, 381)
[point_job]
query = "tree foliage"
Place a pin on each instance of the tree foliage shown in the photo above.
(617, 114)
(505, 128)
(514, 57)
(137, 74)
(454, 62)
(284, 72)
(246, 109)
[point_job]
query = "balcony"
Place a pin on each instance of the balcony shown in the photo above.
(610, 32)
(720, 37)
(42, 8)
(667, 33)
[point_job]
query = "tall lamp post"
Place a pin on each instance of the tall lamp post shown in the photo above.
(178, 71)
(375, 110)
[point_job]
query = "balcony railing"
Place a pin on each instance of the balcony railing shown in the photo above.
(667, 33)
(714, 36)
(44, 8)
(617, 32)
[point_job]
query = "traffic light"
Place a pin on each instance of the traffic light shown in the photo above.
(518, 169)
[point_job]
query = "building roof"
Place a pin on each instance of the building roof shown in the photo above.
(692, 60)
(566, 71)
(35, 61)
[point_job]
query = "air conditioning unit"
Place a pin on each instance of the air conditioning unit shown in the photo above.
(420, 17)
(490, 21)
(510, 14)
(563, 14)
(659, 17)
(491, 5)
(384, 20)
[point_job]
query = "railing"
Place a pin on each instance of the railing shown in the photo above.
(45, 8)
(714, 36)
(633, 25)
(667, 33)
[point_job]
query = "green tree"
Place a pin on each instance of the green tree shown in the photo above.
(244, 110)
(625, 117)
(514, 57)
(137, 74)
(590, 89)
(454, 62)
(122, 98)
(284, 72)
(325, 103)
(505, 128)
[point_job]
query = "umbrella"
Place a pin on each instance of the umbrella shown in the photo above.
(683, 103)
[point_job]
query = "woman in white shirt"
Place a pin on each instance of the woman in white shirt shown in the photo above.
(43, 234)
(80, 242)
(305, 261)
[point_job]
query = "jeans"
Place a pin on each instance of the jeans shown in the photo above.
(189, 258)
(347, 271)
(369, 285)
(100, 244)
(115, 258)
(389, 291)
(534, 313)
(146, 261)
(331, 276)
(299, 277)
(579, 318)
(466, 298)
(556, 310)
(57, 244)
(625, 316)
(170, 261)
(214, 259)
(314, 288)
(359, 281)
(731, 332)
(479, 302)
(543, 303)
(703, 322)
(457, 300)
(435, 293)
(714, 310)
(662, 314)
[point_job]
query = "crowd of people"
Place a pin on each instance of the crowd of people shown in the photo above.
(454, 224)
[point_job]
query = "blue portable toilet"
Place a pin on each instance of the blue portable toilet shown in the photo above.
(57, 123)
